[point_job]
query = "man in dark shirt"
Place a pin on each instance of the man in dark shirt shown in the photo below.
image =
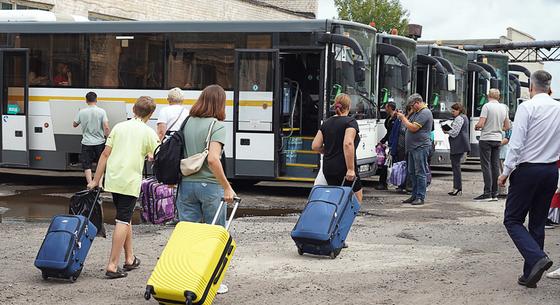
(390, 109)
(418, 146)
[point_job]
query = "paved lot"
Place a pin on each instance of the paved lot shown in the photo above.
(449, 251)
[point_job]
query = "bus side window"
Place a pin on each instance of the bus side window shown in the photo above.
(69, 60)
(126, 61)
(39, 60)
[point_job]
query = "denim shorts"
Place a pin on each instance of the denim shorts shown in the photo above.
(199, 201)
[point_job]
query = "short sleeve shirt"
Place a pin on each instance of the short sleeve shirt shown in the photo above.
(495, 114)
(169, 115)
(131, 141)
(196, 131)
(333, 130)
(425, 120)
(91, 119)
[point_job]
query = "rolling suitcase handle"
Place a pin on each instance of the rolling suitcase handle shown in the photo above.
(353, 182)
(98, 189)
(236, 201)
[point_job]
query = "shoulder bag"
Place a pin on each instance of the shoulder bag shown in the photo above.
(194, 163)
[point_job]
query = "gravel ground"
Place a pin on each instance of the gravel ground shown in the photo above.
(449, 251)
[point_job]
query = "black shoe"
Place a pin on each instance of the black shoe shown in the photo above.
(456, 192)
(483, 197)
(381, 187)
(418, 202)
(538, 269)
(409, 200)
(523, 282)
(502, 196)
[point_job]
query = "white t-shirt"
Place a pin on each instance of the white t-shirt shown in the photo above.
(169, 114)
(495, 114)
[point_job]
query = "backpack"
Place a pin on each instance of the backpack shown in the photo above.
(168, 155)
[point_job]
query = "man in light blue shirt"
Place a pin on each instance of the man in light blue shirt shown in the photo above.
(95, 127)
(533, 151)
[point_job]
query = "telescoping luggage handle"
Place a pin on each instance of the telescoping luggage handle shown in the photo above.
(98, 189)
(236, 201)
(353, 182)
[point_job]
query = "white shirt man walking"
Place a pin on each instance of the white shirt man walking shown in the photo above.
(530, 164)
(95, 128)
(171, 117)
(493, 120)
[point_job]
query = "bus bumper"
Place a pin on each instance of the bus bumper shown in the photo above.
(441, 157)
(367, 167)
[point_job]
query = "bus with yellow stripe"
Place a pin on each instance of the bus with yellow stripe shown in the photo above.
(280, 78)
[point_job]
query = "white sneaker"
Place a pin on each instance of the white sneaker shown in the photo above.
(223, 289)
(554, 274)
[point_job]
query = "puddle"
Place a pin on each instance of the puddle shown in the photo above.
(43, 202)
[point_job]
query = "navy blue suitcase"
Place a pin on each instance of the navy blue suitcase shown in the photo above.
(66, 245)
(325, 222)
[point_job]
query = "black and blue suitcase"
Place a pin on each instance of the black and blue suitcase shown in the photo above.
(325, 222)
(66, 245)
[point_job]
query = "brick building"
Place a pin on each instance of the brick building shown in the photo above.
(173, 9)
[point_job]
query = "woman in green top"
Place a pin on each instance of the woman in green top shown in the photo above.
(201, 193)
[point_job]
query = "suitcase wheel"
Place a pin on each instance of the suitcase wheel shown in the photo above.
(73, 278)
(332, 255)
(45, 276)
(148, 293)
(300, 251)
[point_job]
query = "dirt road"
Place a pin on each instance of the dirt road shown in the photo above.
(449, 251)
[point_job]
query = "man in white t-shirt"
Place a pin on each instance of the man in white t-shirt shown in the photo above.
(171, 117)
(493, 121)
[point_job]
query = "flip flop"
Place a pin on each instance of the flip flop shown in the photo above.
(115, 275)
(135, 264)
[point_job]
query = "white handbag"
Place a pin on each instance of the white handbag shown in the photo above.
(194, 163)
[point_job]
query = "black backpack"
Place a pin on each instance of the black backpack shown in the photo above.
(167, 157)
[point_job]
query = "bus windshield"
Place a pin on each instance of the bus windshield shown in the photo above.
(343, 78)
(442, 99)
(393, 88)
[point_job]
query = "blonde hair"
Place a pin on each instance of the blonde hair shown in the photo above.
(494, 93)
(342, 103)
(175, 96)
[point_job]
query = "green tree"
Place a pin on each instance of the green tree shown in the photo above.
(386, 14)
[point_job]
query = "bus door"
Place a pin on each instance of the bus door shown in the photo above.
(255, 113)
(14, 102)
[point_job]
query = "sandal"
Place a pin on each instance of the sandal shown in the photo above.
(135, 264)
(116, 275)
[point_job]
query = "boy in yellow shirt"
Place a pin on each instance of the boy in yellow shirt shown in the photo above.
(122, 162)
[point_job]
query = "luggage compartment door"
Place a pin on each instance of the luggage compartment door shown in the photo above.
(14, 100)
(255, 112)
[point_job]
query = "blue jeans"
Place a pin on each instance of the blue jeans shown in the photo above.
(418, 171)
(531, 189)
(199, 201)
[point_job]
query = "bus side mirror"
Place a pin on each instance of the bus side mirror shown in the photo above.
(450, 82)
(494, 83)
(359, 71)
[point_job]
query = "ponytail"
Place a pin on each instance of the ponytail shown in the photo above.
(342, 103)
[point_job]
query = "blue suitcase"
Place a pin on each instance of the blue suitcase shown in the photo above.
(325, 222)
(66, 245)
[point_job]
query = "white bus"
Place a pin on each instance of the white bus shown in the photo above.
(442, 81)
(280, 78)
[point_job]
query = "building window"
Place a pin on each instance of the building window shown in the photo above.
(126, 61)
(93, 16)
(24, 5)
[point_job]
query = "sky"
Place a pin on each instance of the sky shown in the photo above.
(460, 19)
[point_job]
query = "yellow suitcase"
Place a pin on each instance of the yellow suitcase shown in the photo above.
(193, 263)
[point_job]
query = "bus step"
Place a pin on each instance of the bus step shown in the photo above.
(301, 170)
(298, 143)
(299, 179)
(302, 156)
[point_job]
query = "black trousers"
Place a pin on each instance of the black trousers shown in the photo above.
(456, 167)
(530, 192)
(490, 164)
(383, 174)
